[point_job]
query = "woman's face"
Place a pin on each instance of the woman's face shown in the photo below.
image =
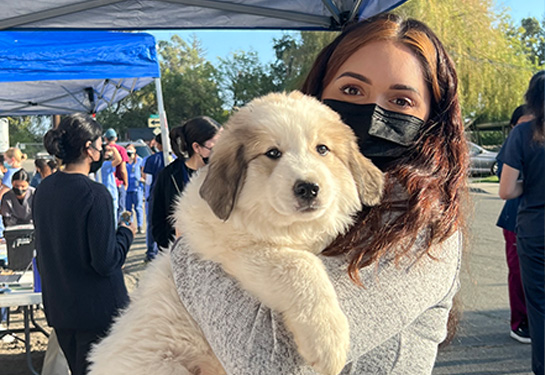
(20, 188)
(209, 145)
(382, 73)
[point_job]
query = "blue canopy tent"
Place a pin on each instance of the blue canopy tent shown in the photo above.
(52, 72)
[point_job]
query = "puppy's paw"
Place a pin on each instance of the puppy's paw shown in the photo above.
(323, 341)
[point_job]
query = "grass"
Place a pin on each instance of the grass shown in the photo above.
(487, 179)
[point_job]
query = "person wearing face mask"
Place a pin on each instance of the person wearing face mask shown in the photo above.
(135, 190)
(16, 203)
(79, 250)
(13, 158)
(396, 270)
(191, 143)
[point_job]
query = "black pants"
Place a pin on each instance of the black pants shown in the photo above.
(532, 270)
(76, 344)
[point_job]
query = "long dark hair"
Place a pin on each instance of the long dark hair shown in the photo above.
(20, 175)
(434, 175)
(198, 129)
(67, 141)
(535, 102)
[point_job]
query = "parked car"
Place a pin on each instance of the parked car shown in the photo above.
(482, 162)
(142, 149)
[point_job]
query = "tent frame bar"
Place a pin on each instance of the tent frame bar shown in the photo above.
(322, 21)
(55, 12)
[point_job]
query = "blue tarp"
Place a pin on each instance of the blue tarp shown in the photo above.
(58, 72)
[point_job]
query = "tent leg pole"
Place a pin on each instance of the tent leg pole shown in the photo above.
(163, 120)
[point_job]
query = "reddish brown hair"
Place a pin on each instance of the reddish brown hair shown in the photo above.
(434, 174)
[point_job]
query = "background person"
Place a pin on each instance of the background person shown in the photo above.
(507, 221)
(79, 251)
(153, 164)
(105, 175)
(16, 206)
(524, 157)
(406, 251)
(13, 158)
(44, 168)
(121, 176)
(135, 190)
(191, 143)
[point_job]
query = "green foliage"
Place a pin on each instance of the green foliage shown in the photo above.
(492, 64)
(189, 89)
(295, 55)
(533, 38)
(27, 129)
(242, 77)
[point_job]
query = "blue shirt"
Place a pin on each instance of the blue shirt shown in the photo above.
(154, 164)
(134, 171)
(527, 156)
(8, 175)
(508, 216)
(107, 179)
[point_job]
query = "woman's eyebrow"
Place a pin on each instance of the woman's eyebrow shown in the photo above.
(404, 87)
(356, 76)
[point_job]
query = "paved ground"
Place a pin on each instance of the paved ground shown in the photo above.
(482, 346)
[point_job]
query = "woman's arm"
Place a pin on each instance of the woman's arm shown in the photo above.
(108, 247)
(510, 185)
(116, 156)
(248, 337)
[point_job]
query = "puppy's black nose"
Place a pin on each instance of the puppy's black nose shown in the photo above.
(306, 190)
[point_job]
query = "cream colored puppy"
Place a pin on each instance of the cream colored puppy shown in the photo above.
(284, 180)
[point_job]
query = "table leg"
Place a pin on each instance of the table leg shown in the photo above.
(36, 325)
(26, 314)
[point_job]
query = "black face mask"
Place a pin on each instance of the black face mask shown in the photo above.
(95, 165)
(383, 136)
(19, 192)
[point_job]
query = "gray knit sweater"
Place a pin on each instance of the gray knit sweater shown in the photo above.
(396, 321)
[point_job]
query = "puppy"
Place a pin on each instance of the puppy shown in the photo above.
(284, 180)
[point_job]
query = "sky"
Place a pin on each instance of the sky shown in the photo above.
(220, 43)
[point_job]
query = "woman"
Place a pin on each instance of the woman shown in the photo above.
(44, 168)
(16, 203)
(13, 158)
(507, 221)
(191, 143)
(79, 251)
(394, 84)
(524, 156)
(135, 190)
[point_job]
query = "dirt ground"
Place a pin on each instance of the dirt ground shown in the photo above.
(12, 355)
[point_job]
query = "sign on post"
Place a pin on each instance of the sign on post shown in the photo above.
(154, 122)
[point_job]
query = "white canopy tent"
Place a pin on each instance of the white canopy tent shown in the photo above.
(186, 14)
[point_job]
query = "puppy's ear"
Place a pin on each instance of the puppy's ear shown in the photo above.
(224, 179)
(369, 179)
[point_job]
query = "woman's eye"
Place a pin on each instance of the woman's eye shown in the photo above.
(402, 102)
(273, 153)
(322, 149)
(351, 90)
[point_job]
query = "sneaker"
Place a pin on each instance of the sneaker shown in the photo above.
(521, 334)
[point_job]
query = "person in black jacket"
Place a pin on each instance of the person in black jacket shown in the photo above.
(191, 143)
(79, 250)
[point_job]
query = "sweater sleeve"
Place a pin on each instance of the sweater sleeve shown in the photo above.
(249, 338)
(108, 247)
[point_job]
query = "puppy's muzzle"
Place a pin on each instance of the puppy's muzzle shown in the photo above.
(306, 194)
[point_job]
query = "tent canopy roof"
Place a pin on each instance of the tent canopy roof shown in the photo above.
(188, 14)
(51, 72)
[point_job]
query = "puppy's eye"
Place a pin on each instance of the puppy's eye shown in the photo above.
(322, 149)
(273, 153)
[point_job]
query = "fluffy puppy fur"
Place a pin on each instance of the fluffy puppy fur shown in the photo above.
(284, 180)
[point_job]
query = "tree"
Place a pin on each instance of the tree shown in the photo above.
(189, 89)
(491, 62)
(533, 37)
(242, 78)
(27, 129)
(295, 54)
